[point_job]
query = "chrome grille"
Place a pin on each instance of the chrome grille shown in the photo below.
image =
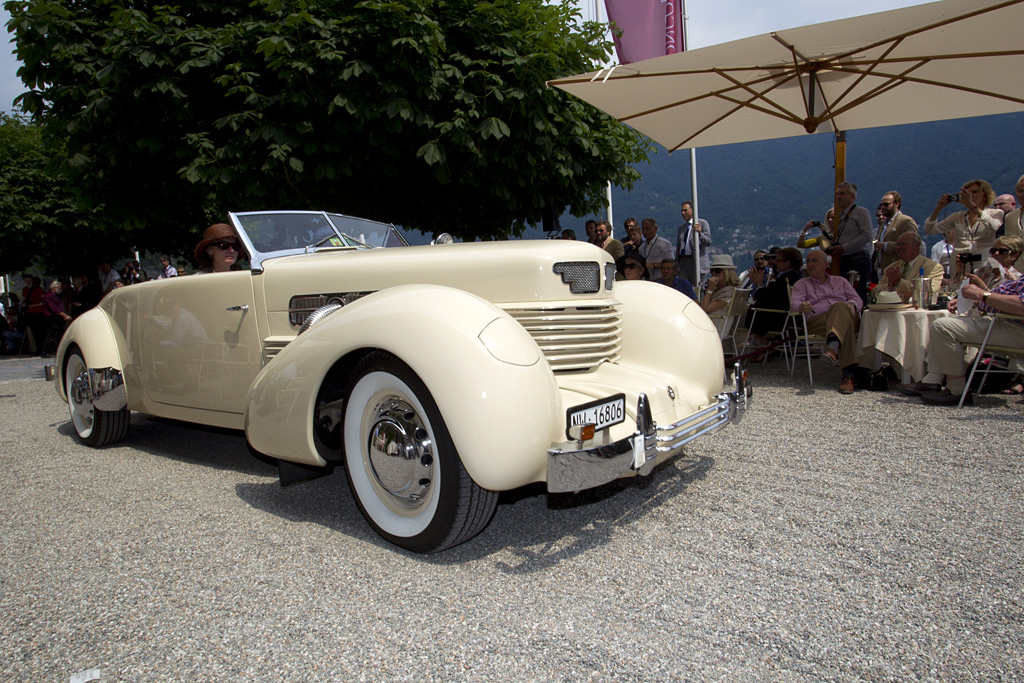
(573, 338)
(302, 306)
(583, 277)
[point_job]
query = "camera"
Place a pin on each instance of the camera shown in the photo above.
(816, 224)
(953, 197)
(968, 258)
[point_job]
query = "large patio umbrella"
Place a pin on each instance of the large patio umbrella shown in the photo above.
(943, 60)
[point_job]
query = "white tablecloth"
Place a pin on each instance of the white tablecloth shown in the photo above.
(900, 335)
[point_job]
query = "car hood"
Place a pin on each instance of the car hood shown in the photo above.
(501, 272)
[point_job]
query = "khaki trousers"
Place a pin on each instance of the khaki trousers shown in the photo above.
(945, 351)
(838, 320)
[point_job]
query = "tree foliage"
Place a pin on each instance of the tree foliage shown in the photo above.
(39, 222)
(430, 113)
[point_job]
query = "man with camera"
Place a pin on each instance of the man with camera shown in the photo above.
(974, 230)
(1013, 222)
(852, 244)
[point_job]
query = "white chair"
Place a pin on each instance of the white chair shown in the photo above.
(771, 336)
(730, 317)
(803, 339)
(991, 349)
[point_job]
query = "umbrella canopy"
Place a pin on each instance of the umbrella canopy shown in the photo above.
(942, 60)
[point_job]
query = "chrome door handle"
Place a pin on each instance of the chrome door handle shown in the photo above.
(243, 307)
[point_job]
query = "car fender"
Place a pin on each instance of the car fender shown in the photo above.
(100, 341)
(665, 331)
(484, 371)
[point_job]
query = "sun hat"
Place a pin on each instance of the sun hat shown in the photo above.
(722, 261)
(215, 233)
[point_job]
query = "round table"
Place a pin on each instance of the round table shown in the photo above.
(900, 334)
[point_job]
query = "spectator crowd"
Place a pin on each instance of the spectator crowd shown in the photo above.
(849, 259)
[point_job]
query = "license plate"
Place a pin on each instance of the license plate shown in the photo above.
(602, 413)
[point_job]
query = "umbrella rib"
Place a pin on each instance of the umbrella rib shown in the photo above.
(721, 94)
(834, 106)
(892, 82)
(897, 79)
(921, 29)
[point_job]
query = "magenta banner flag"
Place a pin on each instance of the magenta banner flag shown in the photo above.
(650, 28)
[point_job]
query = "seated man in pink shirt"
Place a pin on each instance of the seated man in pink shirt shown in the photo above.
(832, 307)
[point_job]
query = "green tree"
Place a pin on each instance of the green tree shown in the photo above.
(430, 113)
(38, 222)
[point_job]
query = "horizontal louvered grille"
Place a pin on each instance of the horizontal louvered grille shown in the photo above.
(273, 346)
(575, 338)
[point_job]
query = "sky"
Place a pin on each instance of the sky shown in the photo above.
(710, 22)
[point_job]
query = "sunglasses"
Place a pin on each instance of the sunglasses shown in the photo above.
(760, 258)
(630, 266)
(999, 250)
(716, 271)
(224, 246)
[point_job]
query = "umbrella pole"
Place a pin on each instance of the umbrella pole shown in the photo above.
(840, 178)
(693, 233)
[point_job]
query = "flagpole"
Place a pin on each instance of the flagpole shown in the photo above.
(608, 189)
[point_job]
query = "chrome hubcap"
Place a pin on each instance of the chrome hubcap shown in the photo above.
(80, 393)
(401, 454)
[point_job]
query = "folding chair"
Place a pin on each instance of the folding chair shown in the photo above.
(802, 338)
(772, 335)
(991, 349)
(731, 316)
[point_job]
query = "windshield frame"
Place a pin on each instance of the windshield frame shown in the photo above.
(308, 232)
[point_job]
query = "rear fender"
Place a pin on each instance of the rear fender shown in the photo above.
(490, 381)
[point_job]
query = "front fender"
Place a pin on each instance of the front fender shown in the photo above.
(100, 341)
(493, 386)
(665, 331)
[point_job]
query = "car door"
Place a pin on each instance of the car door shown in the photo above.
(200, 344)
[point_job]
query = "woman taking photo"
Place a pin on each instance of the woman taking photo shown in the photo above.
(974, 230)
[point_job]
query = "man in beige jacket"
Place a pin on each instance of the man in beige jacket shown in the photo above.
(899, 276)
(895, 223)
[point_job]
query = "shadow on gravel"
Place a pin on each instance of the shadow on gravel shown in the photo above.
(223, 449)
(573, 524)
(541, 529)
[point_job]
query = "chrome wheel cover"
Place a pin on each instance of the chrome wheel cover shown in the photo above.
(390, 454)
(400, 456)
(79, 392)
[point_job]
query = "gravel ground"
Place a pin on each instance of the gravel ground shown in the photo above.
(826, 538)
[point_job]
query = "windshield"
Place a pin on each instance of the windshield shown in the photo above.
(279, 233)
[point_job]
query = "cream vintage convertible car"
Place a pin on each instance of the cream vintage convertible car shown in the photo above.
(436, 375)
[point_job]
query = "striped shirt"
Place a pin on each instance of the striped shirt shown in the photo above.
(1015, 287)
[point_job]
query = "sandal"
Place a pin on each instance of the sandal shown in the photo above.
(1015, 389)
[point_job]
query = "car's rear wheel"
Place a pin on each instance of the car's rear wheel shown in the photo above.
(401, 464)
(94, 427)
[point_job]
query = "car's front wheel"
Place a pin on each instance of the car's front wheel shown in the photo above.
(94, 427)
(401, 464)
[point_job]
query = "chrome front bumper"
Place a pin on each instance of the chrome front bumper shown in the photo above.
(589, 467)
